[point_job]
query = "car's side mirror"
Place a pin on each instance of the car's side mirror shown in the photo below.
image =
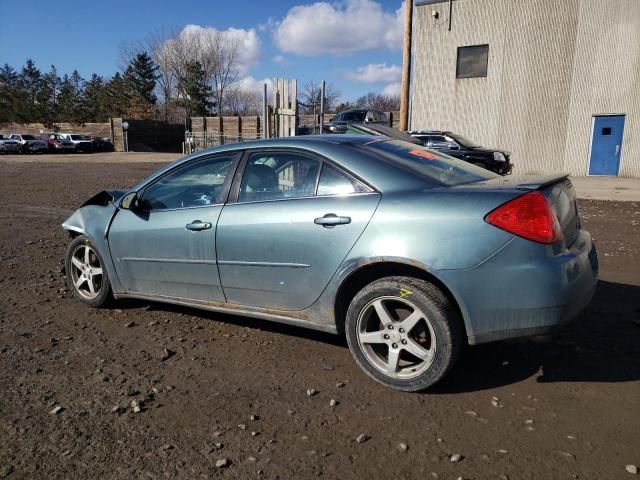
(129, 201)
(453, 146)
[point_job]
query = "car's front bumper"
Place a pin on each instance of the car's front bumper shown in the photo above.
(525, 289)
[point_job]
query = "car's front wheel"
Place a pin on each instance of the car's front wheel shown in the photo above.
(87, 277)
(403, 332)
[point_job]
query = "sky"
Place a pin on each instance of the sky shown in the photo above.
(353, 44)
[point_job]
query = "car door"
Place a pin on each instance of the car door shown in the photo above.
(295, 219)
(167, 244)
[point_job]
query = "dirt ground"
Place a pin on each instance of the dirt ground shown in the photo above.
(236, 388)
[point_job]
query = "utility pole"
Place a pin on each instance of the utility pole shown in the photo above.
(406, 66)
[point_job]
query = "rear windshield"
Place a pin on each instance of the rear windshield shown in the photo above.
(79, 137)
(28, 137)
(443, 169)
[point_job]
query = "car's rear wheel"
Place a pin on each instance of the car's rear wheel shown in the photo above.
(86, 276)
(403, 332)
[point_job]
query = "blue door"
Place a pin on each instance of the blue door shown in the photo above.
(606, 145)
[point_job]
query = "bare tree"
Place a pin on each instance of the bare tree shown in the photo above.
(173, 51)
(379, 101)
(239, 101)
(309, 97)
(224, 66)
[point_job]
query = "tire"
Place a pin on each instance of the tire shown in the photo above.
(432, 329)
(87, 278)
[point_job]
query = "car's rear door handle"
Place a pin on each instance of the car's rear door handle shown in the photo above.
(197, 225)
(331, 220)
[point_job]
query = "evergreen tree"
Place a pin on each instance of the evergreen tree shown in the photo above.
(142, 75)
(94, 108)
(118, 96)
(66, 100)
(47, 97)
(8, 93)
(78, 84)
(195, 91)
(29, 82)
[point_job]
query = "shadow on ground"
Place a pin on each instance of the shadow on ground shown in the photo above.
(599, 346)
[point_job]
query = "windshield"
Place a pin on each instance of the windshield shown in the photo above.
(465, 142)
(443, 169)
(79, 137)
(28, 137)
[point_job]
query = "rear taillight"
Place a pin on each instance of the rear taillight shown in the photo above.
(529, 216)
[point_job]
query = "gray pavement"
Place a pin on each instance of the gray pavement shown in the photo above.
(608, 188)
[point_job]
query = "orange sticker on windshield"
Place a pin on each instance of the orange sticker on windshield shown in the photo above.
(424, 154)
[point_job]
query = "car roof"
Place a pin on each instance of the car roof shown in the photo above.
(344, 149)
(359, 110)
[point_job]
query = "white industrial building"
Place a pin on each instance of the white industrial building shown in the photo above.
(557, 83)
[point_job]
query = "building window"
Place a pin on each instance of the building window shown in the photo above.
(472, 61)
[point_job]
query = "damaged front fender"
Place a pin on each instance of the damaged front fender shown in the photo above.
(93, 220)
(105, 197)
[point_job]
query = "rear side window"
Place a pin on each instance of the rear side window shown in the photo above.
(334, 182)
(278, 175)
(427, 163)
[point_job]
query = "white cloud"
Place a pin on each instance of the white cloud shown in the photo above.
(376, 73)
(280, 59)
(392, 89)
(339, 28)
(247, 40)
(252, 85)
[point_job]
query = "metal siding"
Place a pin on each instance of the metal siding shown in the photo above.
(552, 65)
(606, 80)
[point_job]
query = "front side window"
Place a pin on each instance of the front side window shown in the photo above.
(472, 61)
(198, 184)
(278, 175)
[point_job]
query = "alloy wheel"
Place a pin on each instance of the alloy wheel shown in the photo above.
(86, 271)
(396, 337)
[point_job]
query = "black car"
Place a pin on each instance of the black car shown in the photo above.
(102, 144)
(460, 147)
(338, 124)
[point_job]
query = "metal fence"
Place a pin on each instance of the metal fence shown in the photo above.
(194, 142)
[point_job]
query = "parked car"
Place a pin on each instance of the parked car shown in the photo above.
(8, 145)
(57, 142)
(380, 130)
(408, 252)
(29, 143)
(338, 124)
(81, 142)
(102, 144)
(496, 160)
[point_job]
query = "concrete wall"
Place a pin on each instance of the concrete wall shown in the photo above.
(552, 65)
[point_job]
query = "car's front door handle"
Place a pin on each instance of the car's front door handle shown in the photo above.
(331, 220)
(197, 225)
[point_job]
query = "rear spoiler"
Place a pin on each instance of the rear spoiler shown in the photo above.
(542, 181)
